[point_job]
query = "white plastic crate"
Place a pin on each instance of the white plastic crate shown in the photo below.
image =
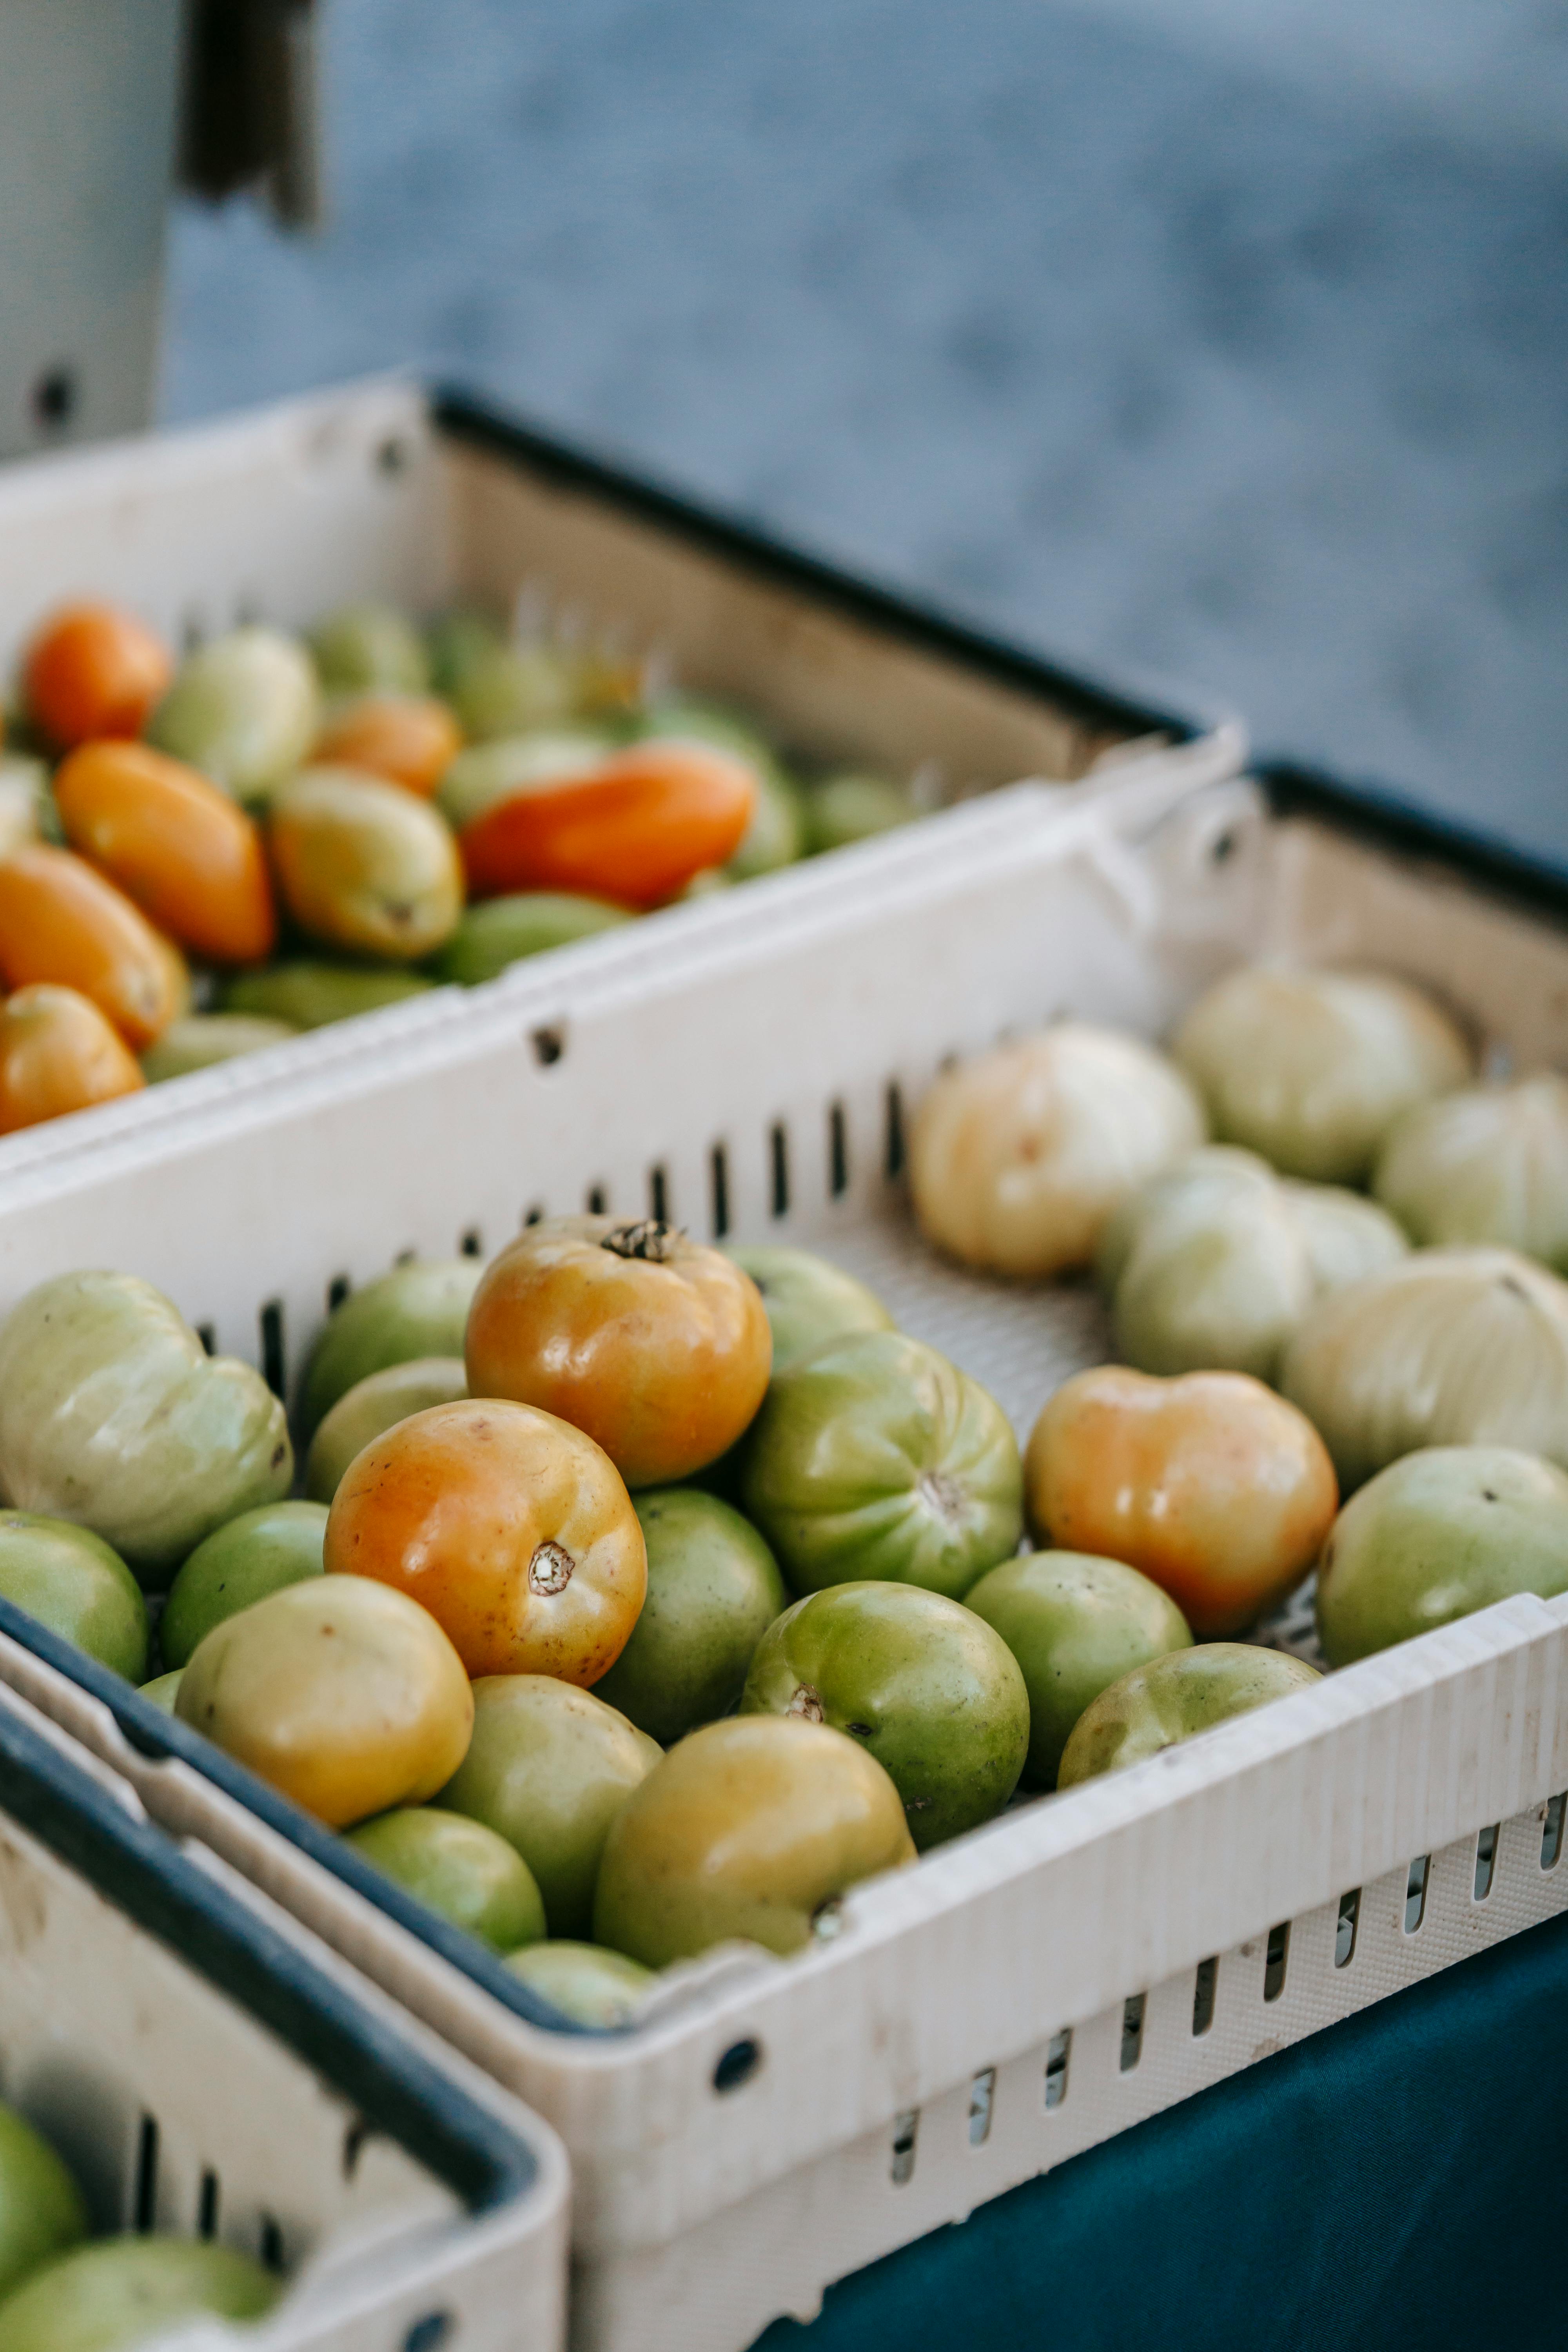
(206, 2067)
(374, 491)
(1034, 1986)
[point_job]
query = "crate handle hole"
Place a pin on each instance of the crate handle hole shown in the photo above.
(982, 2100)
(549, 1045)
(1485, 1861)
(906, 2131)
(1203, 1985)
(1058, 2050)
(1551, 1833)
(1132, 2032)
(1276, 1959)
(737, 2065)
(778, 1150)
(1415, 1893)
(1345, 1927)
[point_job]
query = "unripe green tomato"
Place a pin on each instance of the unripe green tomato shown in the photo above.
(256, 1554)
(372, 1405)
(918, 1682)
(363, 866)
(493, 937)
(595, 1987)
(460, 1868)
(513, 689)
(122, 2290)
(876, 1457)
(165, 1689)
(41, 2209)
(549, 1766)
(847, 808)
(1075, 1623)
(362, 646)
(1435, 1536)
(1173, 1698)
(201, 1040)
(809, 1301)
(244, 709)
(420, 1309)
(78, 1586)
(456, 642)
(310, 995)
(713, 1589)
(747, 1828)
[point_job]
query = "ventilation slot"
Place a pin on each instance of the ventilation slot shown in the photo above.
(1485, 1861)
(472, 1243)
(1552, 1834)
(598, 1201)
(1415, 1893)
(207, 1337)
(1131, 2032)
(1275, 1960)
(838, 1153)
(549, 1046)
(719, 1169)
(271, 2247)
(905, 2130)
(337, 1291)
(273, 1367)
(208, 2211)
(534, 1215)
(1203, 1995)
(1345, 1927)
(893, 1137)
(658, 1196)
(982, 2098)
(778, 1151)
(144, 2196)
(1057, 2052)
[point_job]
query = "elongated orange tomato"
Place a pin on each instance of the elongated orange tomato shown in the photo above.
(63, 923)
(634, 830)
(410, 738)
(92, 670)
(57, 1054)
(184, 851)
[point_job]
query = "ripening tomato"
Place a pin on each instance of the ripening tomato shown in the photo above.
(91, 671)
(410, 738)
(185, 852)
(61, 921)
(634, 830)
(1208, 1483)
(57, 1054)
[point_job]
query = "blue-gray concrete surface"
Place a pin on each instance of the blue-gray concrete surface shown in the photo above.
(1161, 339)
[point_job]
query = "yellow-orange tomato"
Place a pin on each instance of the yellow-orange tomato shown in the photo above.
(184, 851)
(634, 830)
(173, 958)
(512, 1528)
(659, 1347)
(410, 738)
(364, 865)
(93, 671)
(57, 1054)
(62, 921)
(1208, 1483)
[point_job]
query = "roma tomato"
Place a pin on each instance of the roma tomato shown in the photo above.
(1208, 1483)
(182, 849)
(656, 1346)
(512, 1529)
(62, 922)
(57, 1054)
(91, 671)
(634, 830)
(410, 738)
(364, 865)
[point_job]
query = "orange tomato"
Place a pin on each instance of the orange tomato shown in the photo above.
(92, 670)
(634, 830)
(63, 923)
(184, 851)
(512, 1528)
(57, 1054)
(1208, 1483)
(410, 738)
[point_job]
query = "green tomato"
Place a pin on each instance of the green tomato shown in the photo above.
(920, 1683)
(258, 1553)
(41, 2209)
(361, 648)
(1435, 1536)
(513, 690)
(490, 938)
(460, 1868)
(809, 1301)
(595, 1987)
(876, 1457)
(1172, 1698)
(122, 2291)
(1075, 1623)
(420, 1309)
(842, 808)
(112, 1416)
(373, 1405)
(244, 709)
(310, 995)
(163, 1690)
(200, 1040)
(78, 1586)
(488, 772)
(713, 1589)
(456, 642)
(548, 1769)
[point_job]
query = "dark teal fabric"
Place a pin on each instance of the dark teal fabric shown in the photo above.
(1398, 2183)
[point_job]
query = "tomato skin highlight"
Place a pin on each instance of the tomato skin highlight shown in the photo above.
(92, 671)
(188, 854)
(634, 831)
(57, 1054)
(62, 921)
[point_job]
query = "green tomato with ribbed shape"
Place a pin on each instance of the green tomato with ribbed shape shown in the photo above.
(876, 1459)
(113, 1415)
(1173, 1698)
(361, 648)
(459, 1867)
(373, 1405)
(1075, 1623)
(493, 936)
(920, 1683)
(809, 1300)
(420, 1309)
(41, 2209)
(713, 1589)
(311, 994)
(256, 1554)
(589, 1984)
(122, 2291)
(76, 1585)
